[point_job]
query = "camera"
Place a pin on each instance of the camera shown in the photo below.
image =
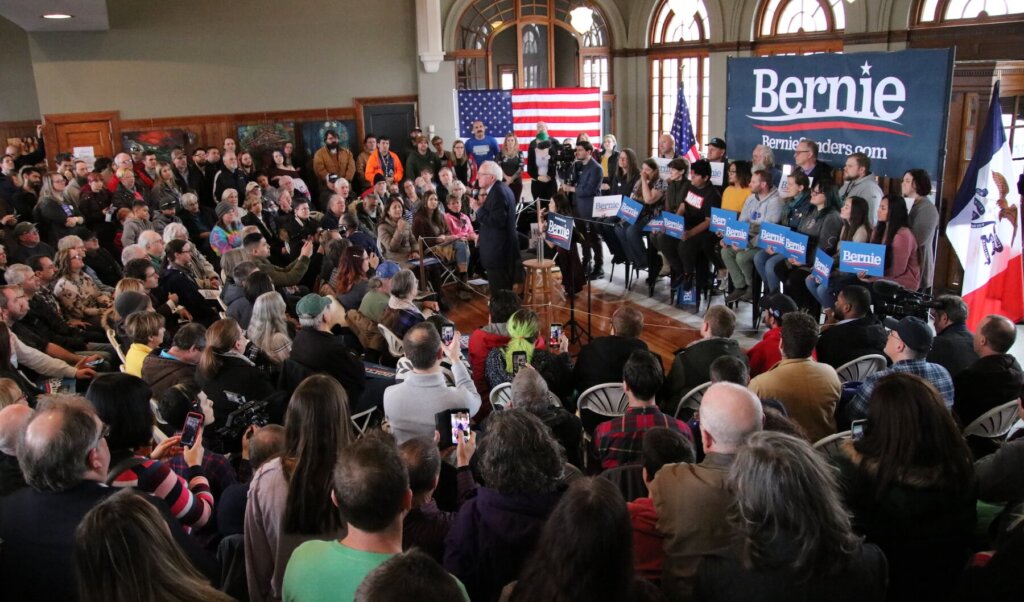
(248, 413)
(894, 301)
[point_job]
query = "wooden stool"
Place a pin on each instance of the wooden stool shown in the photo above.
(532, 291)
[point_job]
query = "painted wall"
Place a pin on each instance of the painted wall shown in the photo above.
(18, 100)
(195, 57)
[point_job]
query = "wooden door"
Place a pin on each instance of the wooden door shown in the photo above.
(67, 132)
(393, 117)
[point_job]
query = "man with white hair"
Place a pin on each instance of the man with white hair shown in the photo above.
(496, 214)
(230, 176)
(13, 420)
(763, 157)
(692, 500)
(131, 252)
(152, 242)
(121, 161)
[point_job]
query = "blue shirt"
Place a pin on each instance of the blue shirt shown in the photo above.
(933, 373)
(482, 150)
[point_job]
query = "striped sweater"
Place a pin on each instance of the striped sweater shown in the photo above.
(189, 499)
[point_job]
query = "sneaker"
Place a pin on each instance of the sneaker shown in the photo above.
(736, 295)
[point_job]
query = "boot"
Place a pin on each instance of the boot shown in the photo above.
(463, 288)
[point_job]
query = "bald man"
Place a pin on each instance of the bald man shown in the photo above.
(13, 420)
(692, 500)
(995, 378)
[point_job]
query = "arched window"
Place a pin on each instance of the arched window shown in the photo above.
(944, 11)
(500, 40)
(679, 35)
(800, 26)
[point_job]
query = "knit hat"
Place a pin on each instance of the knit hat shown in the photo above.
(312, 305)
(223, 208)
(379, 178)
(130, 302)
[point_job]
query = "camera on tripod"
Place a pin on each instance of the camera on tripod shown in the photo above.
(894, 301)
(248, 413)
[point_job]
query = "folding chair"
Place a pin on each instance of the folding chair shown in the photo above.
(692, 399)
(362, 420)
(830, 445)
(862, 367)
(994, 423)
(112, 337)
(394, 343)
(501, 395)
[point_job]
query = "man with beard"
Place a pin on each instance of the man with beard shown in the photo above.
(26, 198)
(858, 181)
(333, 158)
(369, 148)
(80, 173)
(420, 159)
(851, 331)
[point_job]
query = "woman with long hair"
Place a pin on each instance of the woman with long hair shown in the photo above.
(428, 224)
(165, 186)
(462, 165)
(224, 369)
(568, 260)
(822, 226)
(649, 191)
(290, 496)
(350, 281)
(856, 228)
(395, 234)
(79, 295)
(122, 402)
(280, 168)
(96, 205)
(627, 173)
(511, 164)
(523, 330)
(909, 483)
(796, 540)
(735, 194)
(894, 231)
(124, 552)
(54, 212)
(268, 329)
(923, 219)
(607, 154)
(585, 551)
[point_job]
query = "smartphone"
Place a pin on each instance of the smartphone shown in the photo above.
(452, 424)
(447, 333)
(94, 363)
(554, 333)
(857, 429)
(518, 361)
(189, 432)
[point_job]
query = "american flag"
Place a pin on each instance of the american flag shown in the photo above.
(566, 111)
(682, 130)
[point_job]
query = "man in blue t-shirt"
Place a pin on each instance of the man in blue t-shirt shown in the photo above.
(481, 146)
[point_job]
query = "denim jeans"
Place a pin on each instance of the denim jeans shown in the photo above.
(765, 266)
(820, 292)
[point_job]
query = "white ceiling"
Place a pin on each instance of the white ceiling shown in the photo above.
(89, 15)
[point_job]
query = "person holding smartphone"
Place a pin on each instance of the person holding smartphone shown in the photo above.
(523, 330)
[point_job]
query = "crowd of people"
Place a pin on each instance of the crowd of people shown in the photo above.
(219, 381)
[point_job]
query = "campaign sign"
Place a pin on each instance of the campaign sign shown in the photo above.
(857, 257)
(891, 106)
(796, 246)
(736, 233)
(629, 210)
(559, 232)
(607, 206)
(822, 266)
(717, 173)
(674, 224)
(657, 224)
(773, 236)
(719, 217)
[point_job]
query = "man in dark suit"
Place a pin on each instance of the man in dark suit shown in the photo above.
(852, 331)
(496, 214)
(601, 360)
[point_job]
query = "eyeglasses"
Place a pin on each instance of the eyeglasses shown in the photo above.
(798, 151)
(104, 433)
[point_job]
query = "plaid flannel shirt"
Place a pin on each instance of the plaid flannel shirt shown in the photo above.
(618, 441)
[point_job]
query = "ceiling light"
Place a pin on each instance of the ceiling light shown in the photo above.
(57, 16)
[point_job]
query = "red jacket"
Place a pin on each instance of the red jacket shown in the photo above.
(767, 353)
(648, 553)
(481, 341)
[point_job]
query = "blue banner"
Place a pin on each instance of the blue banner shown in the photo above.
(674, 224)
(657, 224)
(796, 246)
(891, 106)
(559, 232)
(857, 257)
(737, 233)
(719, 217)
(822, 266)
(773, 236)
(629, 210)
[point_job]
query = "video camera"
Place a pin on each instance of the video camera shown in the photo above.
(892, 300)
(248, 413)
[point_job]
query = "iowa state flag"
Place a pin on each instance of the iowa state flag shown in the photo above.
(985, 229)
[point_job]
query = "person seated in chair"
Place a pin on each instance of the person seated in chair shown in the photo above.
(993, 380)
(851, 330)
(318, 349)
(692, 365)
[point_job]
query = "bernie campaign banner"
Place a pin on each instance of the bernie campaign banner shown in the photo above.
(891, 106)
(629, 210)
(737, 233)
(559, 232)
(657, 224)
(719, 217)
(607, 206)
(822, 266)
(773, 236)
(796, 246)
(857, 257)
(674, 224)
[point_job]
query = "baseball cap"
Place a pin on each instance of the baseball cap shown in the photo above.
(169, 202)
(24, 228)
(311, 305)
(717, 143)
(914, 332)
(388, 269)
(778, 305)
(250, 186)
(332, 178)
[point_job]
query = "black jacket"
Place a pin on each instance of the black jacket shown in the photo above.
(953, 349)
(105, 266)
(180, 282)
(841, 343)
(225, 179)
(985, 384)
(327, 353)
(42, 320)
(692, 367)
(602, 360)
(237, 376)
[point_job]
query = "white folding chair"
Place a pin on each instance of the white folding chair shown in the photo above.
(692, 399)
(362, 420)
(394, 343)
(501, 395)
(112, 337)
(862, 367)
(994, 423)
(830, 445)
(608, 400)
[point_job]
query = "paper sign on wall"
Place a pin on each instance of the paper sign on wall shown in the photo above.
(85, 153)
